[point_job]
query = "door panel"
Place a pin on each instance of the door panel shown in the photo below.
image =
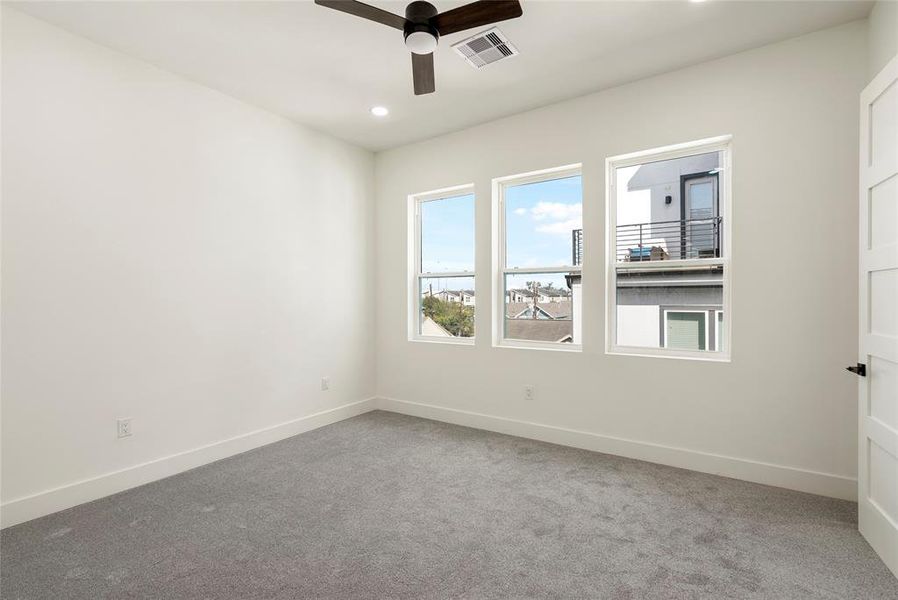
(884, 213)
(883, 300)
(884, 484)
(884, 385)
(884, 124)
(878, 318)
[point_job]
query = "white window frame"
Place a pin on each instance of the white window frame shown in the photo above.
(414, 262)
(721, 144)
(499, 265)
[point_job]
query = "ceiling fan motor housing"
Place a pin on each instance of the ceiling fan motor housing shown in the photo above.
(418, 15)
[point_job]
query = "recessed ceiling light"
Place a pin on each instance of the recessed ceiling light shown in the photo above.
(380, 111)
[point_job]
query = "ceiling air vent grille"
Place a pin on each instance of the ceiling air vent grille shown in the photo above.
(485, 48)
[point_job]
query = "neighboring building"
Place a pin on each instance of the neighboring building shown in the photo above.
(677, 215)
(466, 297)
(518, 295)
(554, 295)
(444, 295)
(671, 309)
(542, 295)
(679, 219)
(538, 310)
(539, 321)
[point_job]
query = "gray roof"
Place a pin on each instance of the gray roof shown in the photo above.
(555, 310)
(541, 330)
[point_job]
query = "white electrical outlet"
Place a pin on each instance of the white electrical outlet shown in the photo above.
(325, 383)
(528, 392)
(123, 428)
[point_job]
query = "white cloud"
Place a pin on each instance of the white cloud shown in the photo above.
(555, 211)
(561, 227)
(555, 218)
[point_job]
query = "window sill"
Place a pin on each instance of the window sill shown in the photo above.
(722, 358)
(443, 341)
(549, 346)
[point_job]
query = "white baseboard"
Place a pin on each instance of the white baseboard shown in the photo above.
(26, 508)
(814, 482)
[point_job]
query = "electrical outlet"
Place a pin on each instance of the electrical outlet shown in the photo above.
(528, 393)
(123, 428)
(325, 383)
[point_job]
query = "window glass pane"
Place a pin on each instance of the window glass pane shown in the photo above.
(669, 209)
(656, 309)
(543, 307)
(542, 222)
(447, 307)
(447, 234)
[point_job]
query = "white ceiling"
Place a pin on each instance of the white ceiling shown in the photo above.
(325, 69)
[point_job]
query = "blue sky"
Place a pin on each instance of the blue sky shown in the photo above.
(539, 219)
(447, 234)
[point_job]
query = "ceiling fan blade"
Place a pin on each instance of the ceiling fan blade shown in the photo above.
(366, 11)
(483, 12)
(422, 73)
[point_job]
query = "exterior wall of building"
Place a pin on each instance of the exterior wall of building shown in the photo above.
(671, 296)
(638, 325)
(577, 311)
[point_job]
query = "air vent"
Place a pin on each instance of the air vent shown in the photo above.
(485, 48)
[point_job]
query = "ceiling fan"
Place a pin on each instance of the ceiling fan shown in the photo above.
(423, 26)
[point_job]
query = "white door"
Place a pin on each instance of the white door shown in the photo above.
(878, 339)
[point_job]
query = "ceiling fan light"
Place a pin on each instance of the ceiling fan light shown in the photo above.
(421, 42)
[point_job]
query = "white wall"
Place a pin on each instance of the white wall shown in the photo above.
(882, 28)
(783, 411)
(165, 253)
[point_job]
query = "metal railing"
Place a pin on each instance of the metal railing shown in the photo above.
(669, 240)
(577, 246)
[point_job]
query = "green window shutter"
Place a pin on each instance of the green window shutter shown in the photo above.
(685, 330)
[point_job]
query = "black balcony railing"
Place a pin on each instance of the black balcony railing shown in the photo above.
(577, 246)
(669, 240)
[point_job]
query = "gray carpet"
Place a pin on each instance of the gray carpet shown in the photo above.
(389, 506)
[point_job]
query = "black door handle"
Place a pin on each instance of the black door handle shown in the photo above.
(859, 369)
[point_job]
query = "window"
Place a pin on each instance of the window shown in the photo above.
(538, 248)
(668, 213)
(442, 266)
